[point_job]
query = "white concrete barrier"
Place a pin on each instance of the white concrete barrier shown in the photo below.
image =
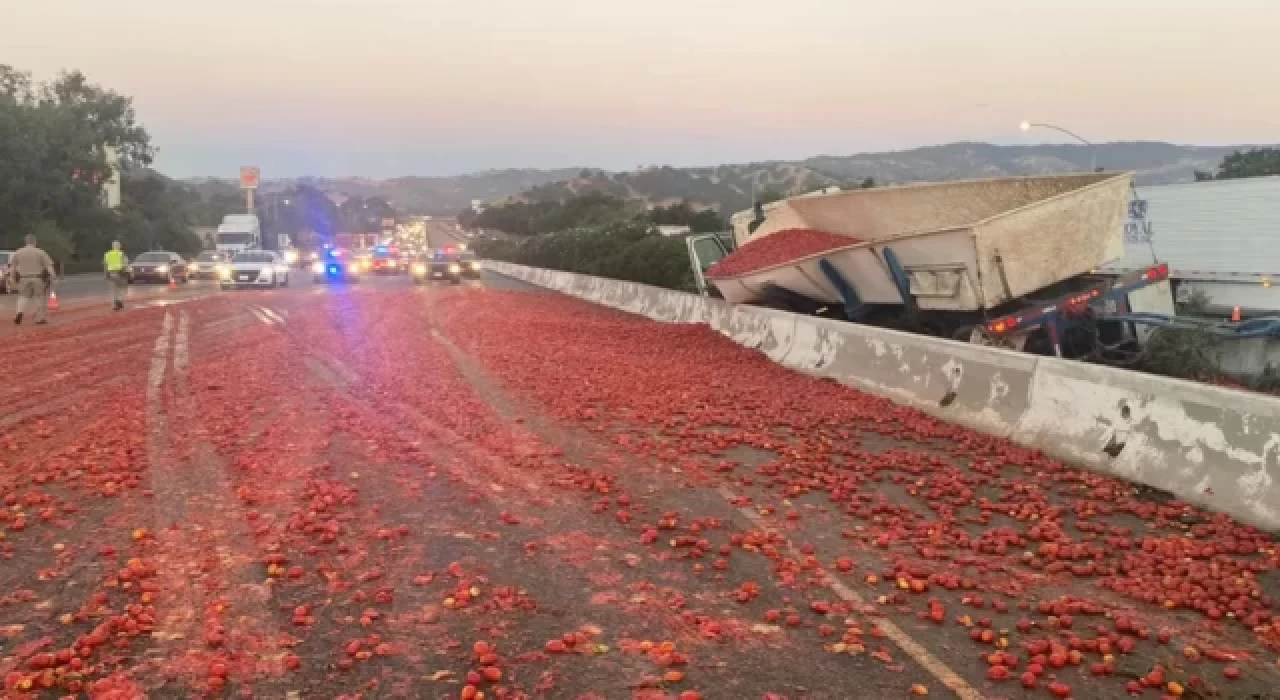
(1218, 448)
(1215, 447)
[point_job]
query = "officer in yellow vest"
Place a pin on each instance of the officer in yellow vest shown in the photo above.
(116, 265)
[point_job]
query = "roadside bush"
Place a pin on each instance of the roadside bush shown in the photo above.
(1181, 353)
(1185, 354)
(629, 250)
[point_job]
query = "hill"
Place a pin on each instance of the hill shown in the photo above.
(416, 195)
(728, 188)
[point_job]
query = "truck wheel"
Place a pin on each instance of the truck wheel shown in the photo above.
(975, 334)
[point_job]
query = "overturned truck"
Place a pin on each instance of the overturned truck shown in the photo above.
(1008, 262)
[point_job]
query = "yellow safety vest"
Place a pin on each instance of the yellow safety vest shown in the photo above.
(114, 260)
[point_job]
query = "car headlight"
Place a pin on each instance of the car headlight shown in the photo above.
(474, 265)
(419, 269)
(454, 269)
(317, 267)
(162, 269)
(224, 272)
(315, 255)
(291, 256)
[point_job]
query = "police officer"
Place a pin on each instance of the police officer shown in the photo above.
(115, 264)
(31, 271)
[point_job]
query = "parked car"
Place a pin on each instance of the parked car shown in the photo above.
(254, 268)
(159, 266)
(4, 271)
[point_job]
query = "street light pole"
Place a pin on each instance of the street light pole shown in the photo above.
(1093, 150)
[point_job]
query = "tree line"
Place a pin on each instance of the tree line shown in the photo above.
(54, 143)
(540, 216)
(1255, 162)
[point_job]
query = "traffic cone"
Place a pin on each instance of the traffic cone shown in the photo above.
(173, 283)
(53, 301)
(1235, 314)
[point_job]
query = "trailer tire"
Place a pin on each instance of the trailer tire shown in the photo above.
(975, 334)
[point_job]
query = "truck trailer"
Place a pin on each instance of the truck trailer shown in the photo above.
(1009, 262)
(1218, 238)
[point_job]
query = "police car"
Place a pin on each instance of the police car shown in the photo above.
(254, 268)
(387, 260)
(336, 265)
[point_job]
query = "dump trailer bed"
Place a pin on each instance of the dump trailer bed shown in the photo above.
(967, 246)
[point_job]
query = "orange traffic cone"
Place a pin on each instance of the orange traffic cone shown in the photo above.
(53, 301)
(1235, 314)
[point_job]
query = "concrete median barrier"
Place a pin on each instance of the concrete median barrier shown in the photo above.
(1218, 448)
(1215, 447)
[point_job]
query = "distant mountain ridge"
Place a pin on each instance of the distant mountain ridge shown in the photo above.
(728, 188)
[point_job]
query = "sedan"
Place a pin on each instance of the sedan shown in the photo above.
(4, 271)
(159, 266)
(207, 263)
(254, 268)
(440, 265)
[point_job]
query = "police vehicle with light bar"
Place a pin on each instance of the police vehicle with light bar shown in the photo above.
(336, 265)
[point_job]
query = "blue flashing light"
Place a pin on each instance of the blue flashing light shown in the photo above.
(335, 270)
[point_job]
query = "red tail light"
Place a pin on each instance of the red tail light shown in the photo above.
(1158, 272)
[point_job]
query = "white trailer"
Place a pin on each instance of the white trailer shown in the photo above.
(1220, 238)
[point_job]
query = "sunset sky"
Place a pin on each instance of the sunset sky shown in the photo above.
(398, 87)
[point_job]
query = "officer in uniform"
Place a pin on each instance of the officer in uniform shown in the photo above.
(116, 264)
(31, 271)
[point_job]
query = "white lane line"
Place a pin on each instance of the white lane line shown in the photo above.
(272, 314)
(261, 316)
(159, 358)
(896, 634)
(181, 354)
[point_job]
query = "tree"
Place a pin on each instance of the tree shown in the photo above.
(53, 157)
(683, 214)
(769, 195)
(1255, 162)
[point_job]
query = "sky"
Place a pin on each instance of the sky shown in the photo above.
(383, 88)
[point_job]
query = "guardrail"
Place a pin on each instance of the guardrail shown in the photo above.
(1215, 447)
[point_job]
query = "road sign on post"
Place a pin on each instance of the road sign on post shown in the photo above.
(249, 175)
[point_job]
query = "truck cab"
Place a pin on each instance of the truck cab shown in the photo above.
(238, 232)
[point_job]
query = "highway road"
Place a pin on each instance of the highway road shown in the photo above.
(382, 490)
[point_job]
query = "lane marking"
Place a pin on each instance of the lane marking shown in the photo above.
(181, 354)
(271, 313)
(261, 316)
(896, 634)
(159, 358)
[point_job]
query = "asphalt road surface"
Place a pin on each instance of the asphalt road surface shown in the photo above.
(381, 490)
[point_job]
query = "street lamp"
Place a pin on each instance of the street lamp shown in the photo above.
(1093, 151)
